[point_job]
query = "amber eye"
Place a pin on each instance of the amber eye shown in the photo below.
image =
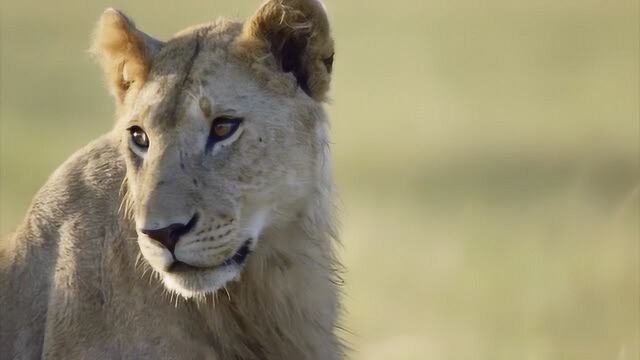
(139, 137)
(224, 127)
(222, 130)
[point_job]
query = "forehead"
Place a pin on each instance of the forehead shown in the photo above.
(197, 63)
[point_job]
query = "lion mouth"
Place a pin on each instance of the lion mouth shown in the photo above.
(238, 259)
(240, 256)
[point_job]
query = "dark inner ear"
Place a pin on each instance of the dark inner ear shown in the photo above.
(125, 84)
(291, 54)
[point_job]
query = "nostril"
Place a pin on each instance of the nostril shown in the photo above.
(167, 236)
(170, 235)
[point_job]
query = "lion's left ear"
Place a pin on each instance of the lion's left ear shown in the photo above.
(297, 34)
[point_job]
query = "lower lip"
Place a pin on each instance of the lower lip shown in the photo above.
(237, 259)
(240, 256)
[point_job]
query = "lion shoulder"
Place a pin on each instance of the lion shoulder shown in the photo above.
(64, 227)
(84, 188)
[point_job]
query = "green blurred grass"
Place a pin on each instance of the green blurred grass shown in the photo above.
(485, 152)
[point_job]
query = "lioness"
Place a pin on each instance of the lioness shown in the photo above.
(201, 226)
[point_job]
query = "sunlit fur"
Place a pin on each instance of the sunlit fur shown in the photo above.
(80, 279)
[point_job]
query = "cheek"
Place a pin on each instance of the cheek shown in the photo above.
(256, 164)
(245, 161)
(134, 168)
(131, 184)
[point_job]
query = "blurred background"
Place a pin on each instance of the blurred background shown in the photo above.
(486, 154)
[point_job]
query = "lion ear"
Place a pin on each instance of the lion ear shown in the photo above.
(297, 34)
(124, 52)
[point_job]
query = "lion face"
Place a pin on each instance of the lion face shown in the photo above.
(220, 139)
(230, 161)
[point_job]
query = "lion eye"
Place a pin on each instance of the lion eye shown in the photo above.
(223, 128)
(139, 137)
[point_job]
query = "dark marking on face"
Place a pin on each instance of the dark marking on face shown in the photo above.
(137, 161)
(209, 146)
(260, 139)
(195, 182)
(174, 73)
(181, 165)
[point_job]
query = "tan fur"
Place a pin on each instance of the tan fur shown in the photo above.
(80, 280)
(126, 51)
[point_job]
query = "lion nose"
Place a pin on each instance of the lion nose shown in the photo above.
(169, 236)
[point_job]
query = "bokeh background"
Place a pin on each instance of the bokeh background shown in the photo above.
(486, 154)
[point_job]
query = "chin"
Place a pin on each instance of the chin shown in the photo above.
(200, 282)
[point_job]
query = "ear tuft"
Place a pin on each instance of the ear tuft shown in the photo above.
(297, 34)
(124, 52)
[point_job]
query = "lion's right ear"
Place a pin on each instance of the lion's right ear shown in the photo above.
(124, 52)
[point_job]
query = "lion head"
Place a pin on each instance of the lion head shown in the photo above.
(222, 131)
